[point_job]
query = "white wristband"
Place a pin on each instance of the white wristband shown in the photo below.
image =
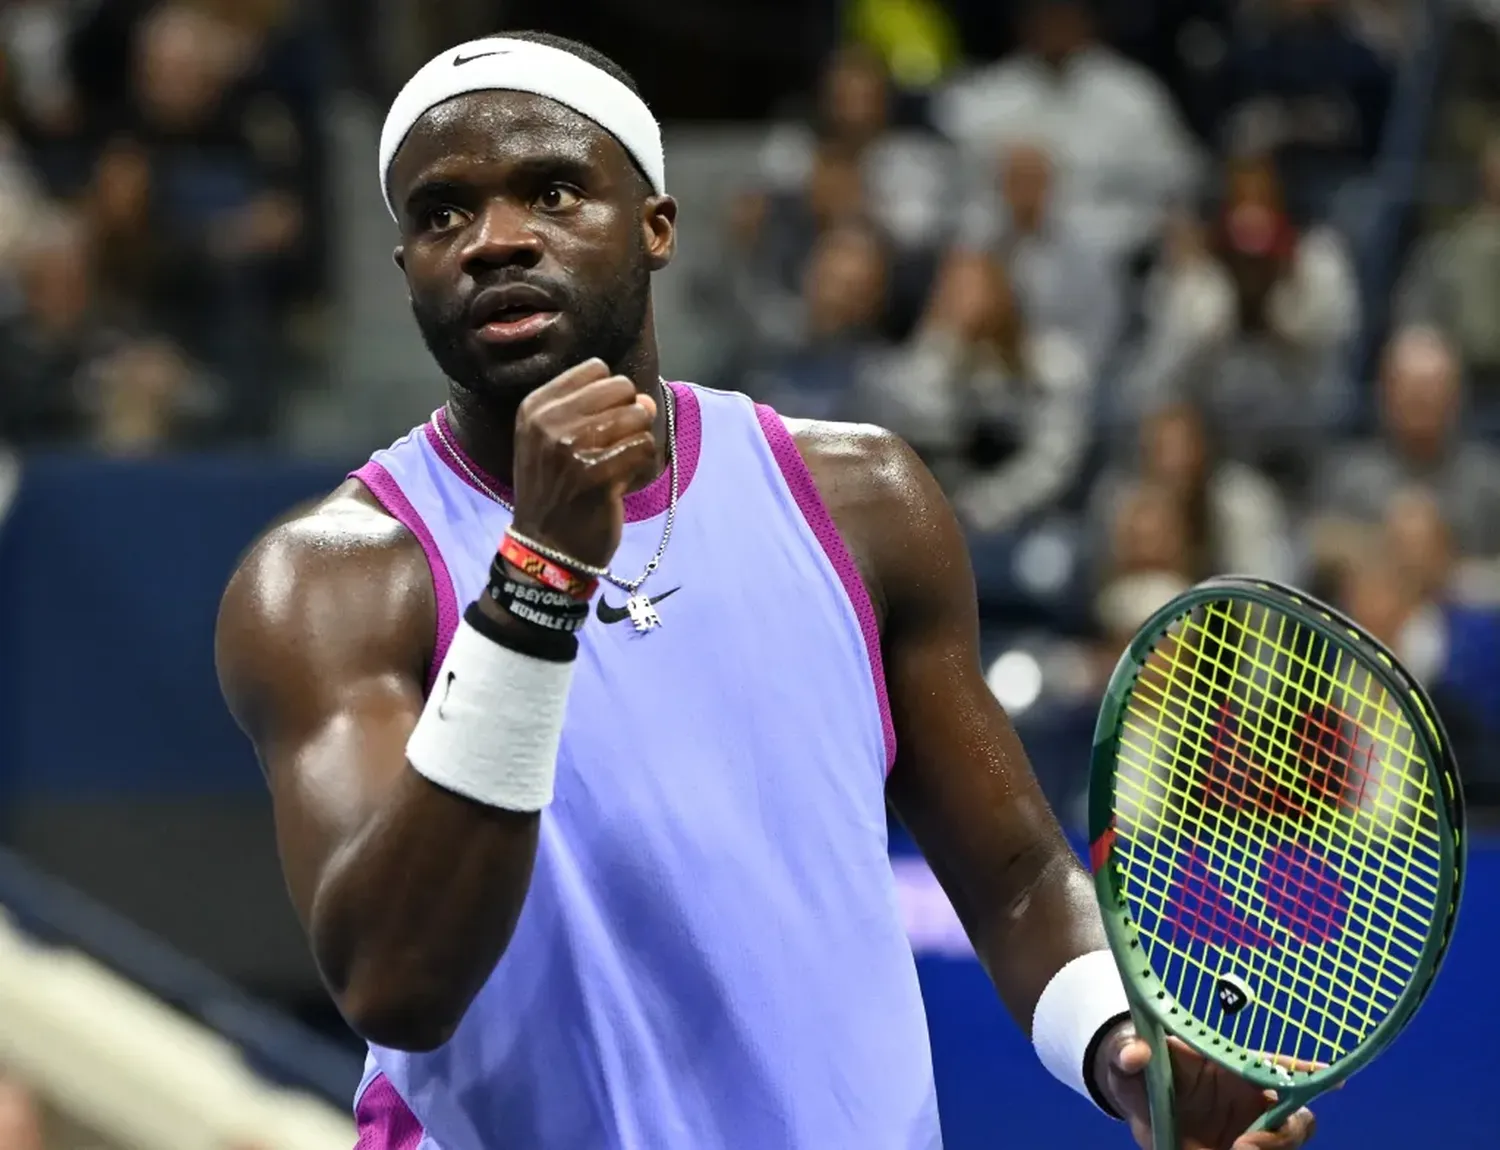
(1082, 998)
(492, 724)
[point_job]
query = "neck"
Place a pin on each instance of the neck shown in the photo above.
(485, 426)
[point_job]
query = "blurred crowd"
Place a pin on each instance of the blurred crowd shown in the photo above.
(1112, 283)
(1119, 312)
(158, 192)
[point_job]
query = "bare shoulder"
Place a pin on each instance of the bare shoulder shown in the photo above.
(857, 462)
(338, 583)
(890, 511)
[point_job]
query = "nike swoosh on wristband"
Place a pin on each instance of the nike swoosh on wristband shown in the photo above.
(459, 60)
(608, 614)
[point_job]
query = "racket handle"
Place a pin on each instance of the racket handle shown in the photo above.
(1160, 1089)
(1273, 1118)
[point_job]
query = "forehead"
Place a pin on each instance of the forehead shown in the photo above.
(497, 127)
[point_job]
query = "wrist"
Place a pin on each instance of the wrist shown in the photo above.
(1075, 1015)
(1100, 1056)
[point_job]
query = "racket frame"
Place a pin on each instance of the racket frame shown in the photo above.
(1154, 1010)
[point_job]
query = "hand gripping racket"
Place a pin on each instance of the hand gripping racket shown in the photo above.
(1277, 839)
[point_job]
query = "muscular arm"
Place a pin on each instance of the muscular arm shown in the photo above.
(408, 892)
(961, 783)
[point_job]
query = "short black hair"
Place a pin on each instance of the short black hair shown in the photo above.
(577, 48)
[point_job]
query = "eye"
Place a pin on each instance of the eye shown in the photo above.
(443, 219)
(557, 197)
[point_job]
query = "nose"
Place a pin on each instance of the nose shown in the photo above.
(502, 237)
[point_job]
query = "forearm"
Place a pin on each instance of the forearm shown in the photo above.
(414, 910)
(1045, 915)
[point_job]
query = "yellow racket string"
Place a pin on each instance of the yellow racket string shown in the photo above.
(1223, 776)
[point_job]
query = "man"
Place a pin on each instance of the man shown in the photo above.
(624, 882)
(1423, 442)
(1123, 154)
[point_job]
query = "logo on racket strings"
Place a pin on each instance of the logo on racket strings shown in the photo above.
(1233, 995)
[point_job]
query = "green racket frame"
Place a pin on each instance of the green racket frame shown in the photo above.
(1155, 1012)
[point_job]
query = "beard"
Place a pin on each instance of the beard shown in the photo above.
(607, 320)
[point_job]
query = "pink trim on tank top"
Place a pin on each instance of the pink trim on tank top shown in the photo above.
(394, 500)
(799, 479)
(383, 1119)
(647, 503)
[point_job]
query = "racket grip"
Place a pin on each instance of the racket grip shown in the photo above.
(1160, 1089)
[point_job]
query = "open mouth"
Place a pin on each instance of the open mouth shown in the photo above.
(513, 313)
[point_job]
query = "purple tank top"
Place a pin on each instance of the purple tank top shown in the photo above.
(710, 954)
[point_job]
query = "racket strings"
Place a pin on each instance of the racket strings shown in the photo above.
(1179, 922)
(1221, 747)
(1316, 918)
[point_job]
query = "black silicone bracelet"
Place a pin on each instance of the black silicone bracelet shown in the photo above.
(1091, 1055)
(553, 646)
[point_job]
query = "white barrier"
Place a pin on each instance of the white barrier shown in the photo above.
(121, 1062)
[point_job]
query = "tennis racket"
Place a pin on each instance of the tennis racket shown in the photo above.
(1277, 837)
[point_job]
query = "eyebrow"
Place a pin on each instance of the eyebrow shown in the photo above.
(439, 184)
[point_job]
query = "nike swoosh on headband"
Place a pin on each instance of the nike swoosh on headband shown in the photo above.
(458, 60)
(608, 614)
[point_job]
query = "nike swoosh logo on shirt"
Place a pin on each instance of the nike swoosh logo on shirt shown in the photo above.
(608, 614)
(461, 60)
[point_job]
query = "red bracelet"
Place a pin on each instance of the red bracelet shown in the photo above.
(545, 571)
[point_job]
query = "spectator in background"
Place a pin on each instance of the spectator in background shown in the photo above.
(1459, 672)
(1234, 518)
(1248, 319)
(1450, 641)
(20, 1120)
(1122, 152)
(48, 343)
(1305, 86)
(773, 237)
(843, 298)
(1420, 445)
(1060, 283)
(904, 176)
(42, 102)
(22, 203)
(143, 398)
(1453, 282)
(223, 198)
(117, 207)
(1002, 414)
(69, 374)
(1148, 560)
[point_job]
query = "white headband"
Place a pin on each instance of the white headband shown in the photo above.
(498, 64)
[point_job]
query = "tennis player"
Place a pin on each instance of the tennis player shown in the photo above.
(582, 705)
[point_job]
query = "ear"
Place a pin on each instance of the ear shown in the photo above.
(659, 218)
(399, 255)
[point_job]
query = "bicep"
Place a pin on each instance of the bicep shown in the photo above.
(962, 785)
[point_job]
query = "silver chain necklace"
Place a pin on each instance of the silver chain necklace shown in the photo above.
(642, 610)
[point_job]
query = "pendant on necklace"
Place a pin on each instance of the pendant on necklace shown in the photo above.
(642, 613)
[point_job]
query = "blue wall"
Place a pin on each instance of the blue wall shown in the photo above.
(109, 581)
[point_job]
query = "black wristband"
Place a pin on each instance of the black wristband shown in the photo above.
(553, 646)
(540, 607)
(1091, 1055)
(553, 602)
